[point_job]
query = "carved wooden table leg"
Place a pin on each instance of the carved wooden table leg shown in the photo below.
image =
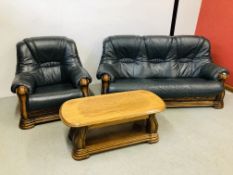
(78, 136)
(71, 134)
(152, 128)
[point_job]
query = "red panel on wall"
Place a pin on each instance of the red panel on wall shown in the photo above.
(216, 23)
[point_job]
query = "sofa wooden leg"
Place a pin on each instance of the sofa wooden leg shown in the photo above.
(26, 123)
(218, 103)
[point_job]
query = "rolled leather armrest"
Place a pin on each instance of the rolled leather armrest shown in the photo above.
(107, 69)
(212, 71)
(24, 79)
(77, 73)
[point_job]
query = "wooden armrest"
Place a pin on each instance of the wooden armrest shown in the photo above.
(223, 76)
(105, 83)
(22, 92)
(105, 77)
(84, 83)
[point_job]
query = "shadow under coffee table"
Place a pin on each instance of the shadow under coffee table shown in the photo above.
(104, 122)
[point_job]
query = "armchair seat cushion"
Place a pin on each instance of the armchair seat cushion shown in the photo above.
(170, 87)
(52, 96)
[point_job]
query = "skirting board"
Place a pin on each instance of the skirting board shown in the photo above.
(228, 87)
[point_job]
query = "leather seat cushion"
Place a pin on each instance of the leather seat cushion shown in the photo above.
(52, 96)
(170, 88)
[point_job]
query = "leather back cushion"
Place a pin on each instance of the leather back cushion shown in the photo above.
(156, 56)
(124, 48)
(46, 58)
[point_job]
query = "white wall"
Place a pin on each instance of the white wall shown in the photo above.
(187, 17)
(87, 22)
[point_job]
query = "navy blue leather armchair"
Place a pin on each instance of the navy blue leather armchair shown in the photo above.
(48, 73)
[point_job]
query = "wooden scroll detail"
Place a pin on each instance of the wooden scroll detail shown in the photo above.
(105, 83)
(84, 83)
(22, 93)
(219, 103)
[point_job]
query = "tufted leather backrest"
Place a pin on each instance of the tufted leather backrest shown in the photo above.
(155, 56)
(123, 48)
(46, 58)
(122, 52)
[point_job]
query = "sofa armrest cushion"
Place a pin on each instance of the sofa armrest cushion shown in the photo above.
(76, 73)
(212, 71)
(24, 79)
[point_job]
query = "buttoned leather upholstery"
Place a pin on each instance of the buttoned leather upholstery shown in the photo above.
(179, 66)
(51, 70)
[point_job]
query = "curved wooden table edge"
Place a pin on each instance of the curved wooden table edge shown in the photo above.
(155, 111)
(109, 121)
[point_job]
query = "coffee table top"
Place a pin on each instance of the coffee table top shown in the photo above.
(109, 108)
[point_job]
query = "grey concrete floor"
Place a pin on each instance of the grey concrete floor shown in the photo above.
(193, 141)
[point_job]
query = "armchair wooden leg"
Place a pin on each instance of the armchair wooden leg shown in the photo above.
(105, 84)
(25, 121)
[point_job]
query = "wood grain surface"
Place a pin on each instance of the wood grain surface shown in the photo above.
(110, 108)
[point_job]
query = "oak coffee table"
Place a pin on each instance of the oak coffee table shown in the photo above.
(104, 122)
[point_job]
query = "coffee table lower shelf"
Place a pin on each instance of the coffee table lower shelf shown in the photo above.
(90, 141)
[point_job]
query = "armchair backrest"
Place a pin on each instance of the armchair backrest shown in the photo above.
(155, 56)
(46, 58)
